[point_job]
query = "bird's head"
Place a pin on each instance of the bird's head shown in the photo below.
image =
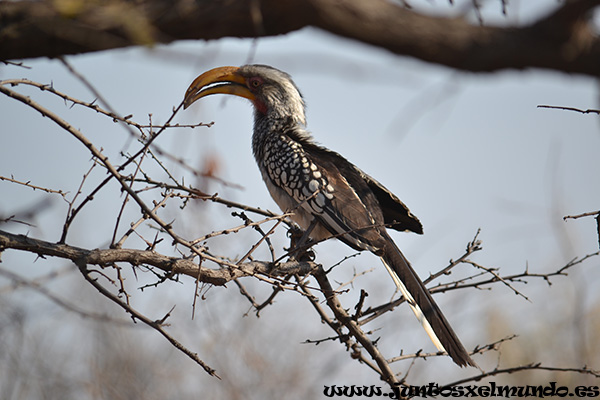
(272, 91)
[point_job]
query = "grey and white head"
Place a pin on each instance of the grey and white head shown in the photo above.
(272, 91)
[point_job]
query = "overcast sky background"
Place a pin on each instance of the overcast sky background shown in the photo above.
(463, 151)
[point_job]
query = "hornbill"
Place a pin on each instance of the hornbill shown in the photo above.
(326, 194)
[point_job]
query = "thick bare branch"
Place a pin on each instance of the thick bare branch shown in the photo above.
(139, 257)
(561, 41)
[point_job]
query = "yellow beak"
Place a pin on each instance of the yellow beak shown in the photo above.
(223, 80)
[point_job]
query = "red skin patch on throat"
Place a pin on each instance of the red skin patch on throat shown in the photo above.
(260, 106)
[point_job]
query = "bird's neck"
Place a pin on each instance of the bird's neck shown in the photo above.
(272, 127)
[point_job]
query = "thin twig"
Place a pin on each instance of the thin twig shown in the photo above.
(588, 111)
(34, 187)
(156, 325)
(586, 214)
(512, 370)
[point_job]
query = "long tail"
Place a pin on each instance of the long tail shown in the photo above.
(427, 311)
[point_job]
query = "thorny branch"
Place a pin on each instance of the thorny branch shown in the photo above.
(34, 187)
(156, 325)
(171, 265)
(511, 370)
(228, 270)
(494, 346)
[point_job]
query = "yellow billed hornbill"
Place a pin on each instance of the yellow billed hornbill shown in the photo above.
(328, 195)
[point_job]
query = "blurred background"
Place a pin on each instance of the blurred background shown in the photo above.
(463, 151)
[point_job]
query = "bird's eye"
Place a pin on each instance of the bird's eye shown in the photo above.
(255, 82)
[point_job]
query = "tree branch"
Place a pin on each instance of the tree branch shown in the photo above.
(561, 41)
(134, 257)
(354, 328)
(156, 325)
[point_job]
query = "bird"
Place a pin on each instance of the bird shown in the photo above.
(325, 194)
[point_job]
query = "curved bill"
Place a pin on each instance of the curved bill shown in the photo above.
(222, 80)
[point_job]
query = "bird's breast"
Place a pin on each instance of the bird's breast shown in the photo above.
(296, 183)
(288, 166)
